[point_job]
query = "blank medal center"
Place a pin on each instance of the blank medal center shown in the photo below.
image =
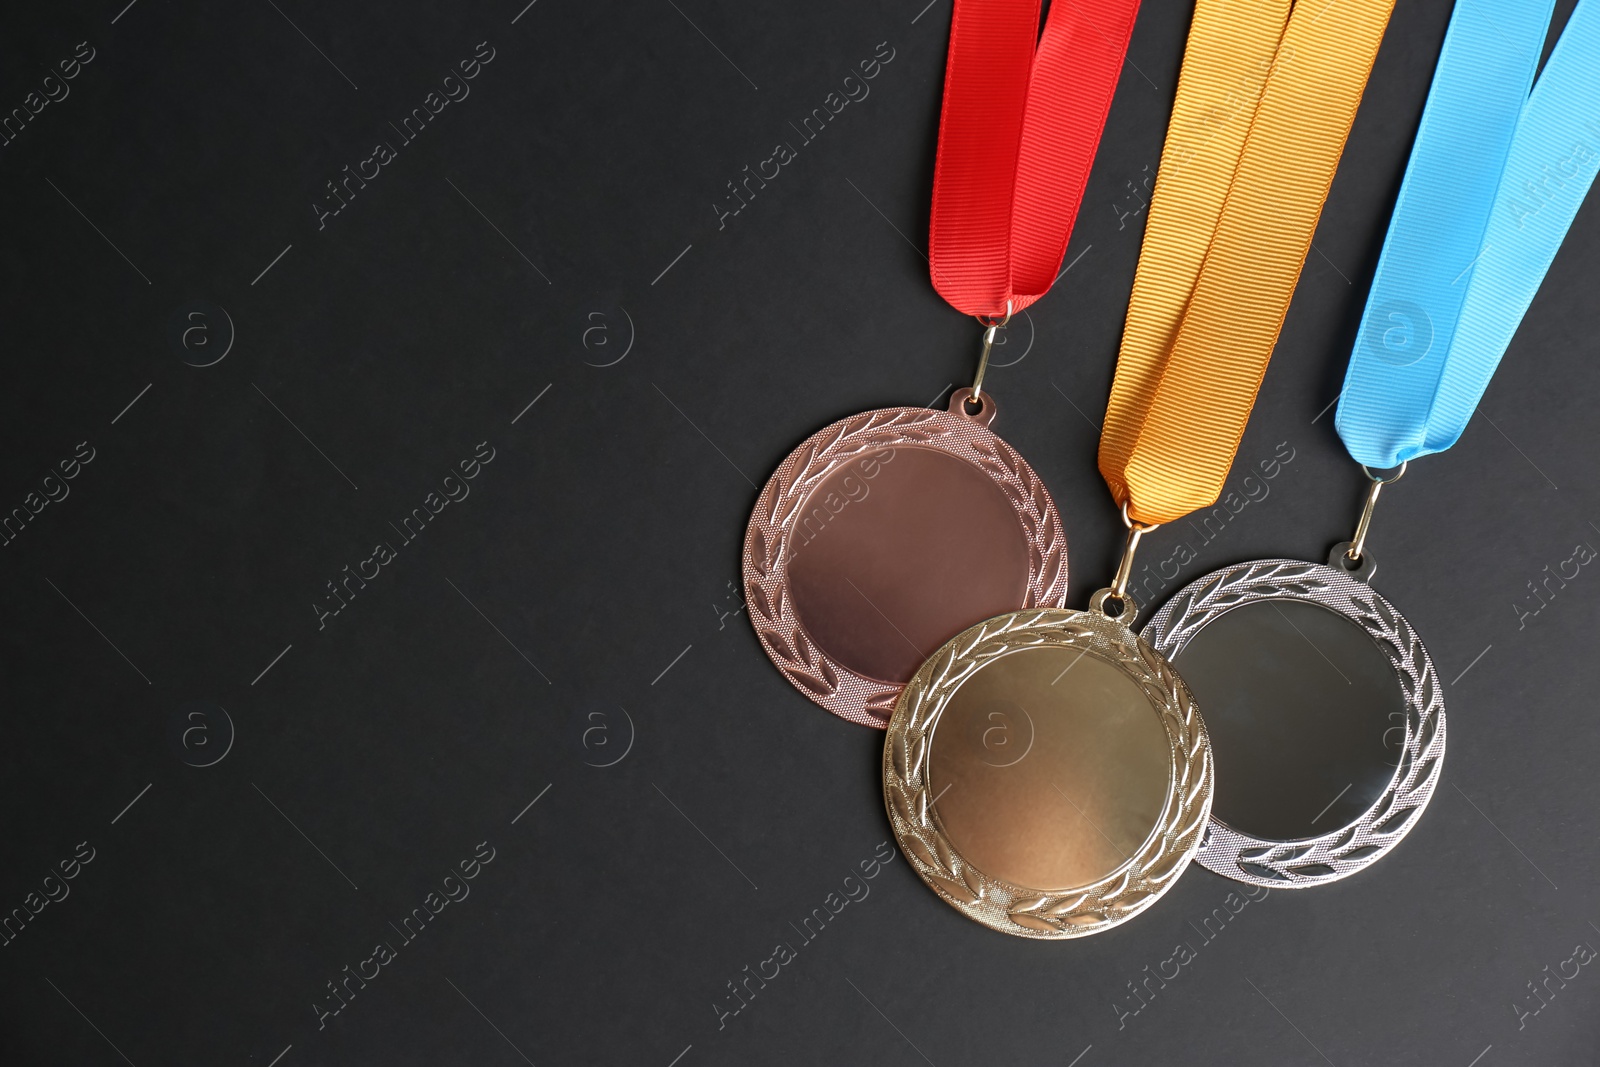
(1305, 713)
(895, 553)
(1049, 769)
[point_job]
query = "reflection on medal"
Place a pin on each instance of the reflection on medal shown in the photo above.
(1047, 773)
(1324, 708)
(884, 535)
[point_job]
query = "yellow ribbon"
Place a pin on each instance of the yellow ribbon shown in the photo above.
(1268, 91)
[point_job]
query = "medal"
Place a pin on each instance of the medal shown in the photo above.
(886, 533)
(1047, 772)
(1327, 716)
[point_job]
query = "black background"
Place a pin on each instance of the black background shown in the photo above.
(601, 541)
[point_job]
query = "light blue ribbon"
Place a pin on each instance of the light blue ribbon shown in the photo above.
(1496, 176)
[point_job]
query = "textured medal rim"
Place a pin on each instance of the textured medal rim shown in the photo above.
(1020, 910)
(810, 669)
(1304, 862)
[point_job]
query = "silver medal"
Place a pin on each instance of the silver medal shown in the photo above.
(1326, 717)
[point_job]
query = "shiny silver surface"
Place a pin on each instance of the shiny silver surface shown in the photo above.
(1309, 710)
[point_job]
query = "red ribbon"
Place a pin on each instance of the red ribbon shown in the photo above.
(1021, 121)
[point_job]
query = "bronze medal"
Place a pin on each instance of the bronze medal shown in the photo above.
(885, 534)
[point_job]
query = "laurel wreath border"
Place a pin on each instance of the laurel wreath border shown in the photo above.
(1020, 910)
(1305, 862)
(817, 675)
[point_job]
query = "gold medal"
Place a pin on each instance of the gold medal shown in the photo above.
(1047, 772)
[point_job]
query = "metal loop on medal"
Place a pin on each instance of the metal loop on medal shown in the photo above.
(991, 328)
(985, 413)
(1395, 477)
(1359, 541)
(1142, 527)
(1362, 570)
(1127, 606)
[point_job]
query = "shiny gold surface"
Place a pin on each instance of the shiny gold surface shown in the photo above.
(1043, 794)
(1051, 768)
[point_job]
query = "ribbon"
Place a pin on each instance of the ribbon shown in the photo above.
(1265, 101)
(1495, 178)
(1021, 120)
